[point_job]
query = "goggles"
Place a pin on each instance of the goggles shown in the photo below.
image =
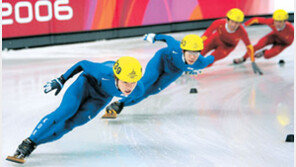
(194, 53)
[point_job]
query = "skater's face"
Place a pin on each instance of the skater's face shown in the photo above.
(279, 24)
(232, 25)
(126, 87)
(191, 56)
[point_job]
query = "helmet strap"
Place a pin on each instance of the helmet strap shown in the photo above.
(116, 82)
(183, 56)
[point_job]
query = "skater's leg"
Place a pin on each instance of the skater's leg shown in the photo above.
(263, 42)
(220, 49)
(221, 52)
(274, 51)
(88, 110)
(52, 134)
(68, 107)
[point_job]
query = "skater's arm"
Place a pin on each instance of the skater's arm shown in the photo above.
(258, 20)
(78, 67)
(151, 37)
(58, 83)
(211, 29)
(250, 51)
(165, 38)
(249, 46)
(205, 61)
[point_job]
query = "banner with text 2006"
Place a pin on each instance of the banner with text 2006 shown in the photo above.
(30, 17)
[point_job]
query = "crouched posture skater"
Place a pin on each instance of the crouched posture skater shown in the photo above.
(84, 99)
(165, 67)
(224, 34)
(281, 36)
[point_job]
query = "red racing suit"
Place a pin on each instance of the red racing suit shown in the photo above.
(218, 38)
(278, 39)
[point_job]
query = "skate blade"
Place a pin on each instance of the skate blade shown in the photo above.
(14, 159)
(109, 116)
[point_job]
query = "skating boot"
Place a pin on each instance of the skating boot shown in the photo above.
(113, 109)
(110, 114)
(239, 60)
(260, 54)
(23, 151)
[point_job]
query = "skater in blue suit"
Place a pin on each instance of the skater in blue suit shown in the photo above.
(165, 67)
(84, 99)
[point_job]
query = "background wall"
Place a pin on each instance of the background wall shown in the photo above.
(44, 20)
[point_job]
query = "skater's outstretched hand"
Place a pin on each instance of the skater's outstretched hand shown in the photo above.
(115, 106)
(150, 37)
(57, 84)
(256, 69)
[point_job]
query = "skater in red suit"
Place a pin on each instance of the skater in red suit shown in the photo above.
(281, 36)
(224, 34)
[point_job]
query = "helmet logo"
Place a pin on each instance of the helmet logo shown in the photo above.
(132, 74)
(117, 68)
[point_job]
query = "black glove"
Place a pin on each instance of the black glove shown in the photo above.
(115, 106)
(256, 68)
(57, 84)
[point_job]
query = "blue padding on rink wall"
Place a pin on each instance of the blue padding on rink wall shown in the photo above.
(66, 38)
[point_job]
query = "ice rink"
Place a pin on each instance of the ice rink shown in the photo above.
(237, 118)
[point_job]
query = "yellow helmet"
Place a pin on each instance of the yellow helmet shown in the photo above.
(128, 69)
(235, 14)
(280, 15)
(192, 42)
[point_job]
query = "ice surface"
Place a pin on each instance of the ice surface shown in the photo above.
(236, 119)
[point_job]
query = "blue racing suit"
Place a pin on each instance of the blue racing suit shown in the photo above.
(84, 99)
(165, 67)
